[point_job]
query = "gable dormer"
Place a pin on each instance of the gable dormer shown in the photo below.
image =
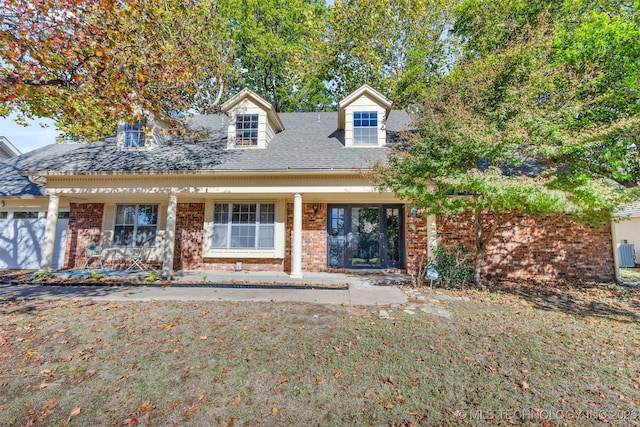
(362, 116)
(144, 133)
(252, 120)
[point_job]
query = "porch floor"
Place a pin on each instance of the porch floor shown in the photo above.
(247, 277)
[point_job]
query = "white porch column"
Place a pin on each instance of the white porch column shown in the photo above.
(46, 262)
(296, 239)
(169, 236)
(432, 236)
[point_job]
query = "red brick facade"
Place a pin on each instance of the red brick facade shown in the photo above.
(84, 229)
(189, 242)
(189, 234)
(544, 249)
(314, 237)
(549, 248)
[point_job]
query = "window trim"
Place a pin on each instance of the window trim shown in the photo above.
(137, 128)
(256, 225)
(136, 225)
(278, 252)
(251, 126)
(370, 129)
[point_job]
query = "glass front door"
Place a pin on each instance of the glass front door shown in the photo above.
(365, 236)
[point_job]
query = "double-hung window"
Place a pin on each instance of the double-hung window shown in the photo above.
(246, 129)
(365, 128)
(135, 225)
(244, 226)
(134, 134)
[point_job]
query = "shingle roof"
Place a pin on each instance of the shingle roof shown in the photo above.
(309, 141)
(14, 184)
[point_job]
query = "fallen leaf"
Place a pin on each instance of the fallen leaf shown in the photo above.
(337, 374)
(147, 406)
(275, 411)
(282, 380)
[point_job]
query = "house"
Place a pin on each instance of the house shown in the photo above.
(626, 232)
(7, 150)
(258, 190)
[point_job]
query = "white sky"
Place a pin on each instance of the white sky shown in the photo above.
(30, 137)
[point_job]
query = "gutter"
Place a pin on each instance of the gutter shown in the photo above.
(40, 176)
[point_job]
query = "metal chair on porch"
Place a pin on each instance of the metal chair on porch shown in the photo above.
(138, 258)
(94, 252)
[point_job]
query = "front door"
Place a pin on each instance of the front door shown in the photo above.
(365, 236)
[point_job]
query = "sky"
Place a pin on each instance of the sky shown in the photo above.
(30, 137)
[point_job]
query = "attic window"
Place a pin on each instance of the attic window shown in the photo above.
(365, 127)
(246, 130)
(134, 134)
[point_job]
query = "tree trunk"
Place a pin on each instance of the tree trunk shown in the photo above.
(482, 238)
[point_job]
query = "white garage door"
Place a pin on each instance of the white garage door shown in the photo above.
(22, 238)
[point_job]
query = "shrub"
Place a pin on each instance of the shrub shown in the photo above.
(453, 266)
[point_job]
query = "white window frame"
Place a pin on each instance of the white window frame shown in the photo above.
(232, 226)
(136, 242)
(277, 252)
(247, 124)
(365, 134)
(134, 134)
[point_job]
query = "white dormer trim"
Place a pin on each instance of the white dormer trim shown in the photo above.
(7, 149)
(154, 134)
(364, 100)
(247, 102)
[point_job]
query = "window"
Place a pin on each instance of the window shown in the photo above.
(134, 134)
(365, 127)
(4, 215)
(135, 225)
(246, 129)
(244, 225)
(26, 215)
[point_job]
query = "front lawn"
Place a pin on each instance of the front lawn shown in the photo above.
(511, 356)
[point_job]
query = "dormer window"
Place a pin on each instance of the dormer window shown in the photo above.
(134, 134)
(365, 128)
(246, 130)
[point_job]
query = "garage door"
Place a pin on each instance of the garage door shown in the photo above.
(22, 239)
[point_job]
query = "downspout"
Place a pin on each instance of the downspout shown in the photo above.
(37, 179)
(616, 256)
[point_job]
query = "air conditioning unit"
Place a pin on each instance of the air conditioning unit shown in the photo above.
(627, 254)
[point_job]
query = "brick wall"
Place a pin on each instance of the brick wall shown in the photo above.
(189, 236)
(84, 228)
(549, 248)
(189, 242)
(416, 240)
(314, 237)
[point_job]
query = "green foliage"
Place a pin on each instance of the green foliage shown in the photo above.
(270, 41)
(453, 266)
(152, 277)
(43, 276)
(96, 276)
(397, 47)
(538, 116)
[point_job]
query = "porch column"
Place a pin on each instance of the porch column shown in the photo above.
(46, 262)
(169, 236)
(296, 239)
(432, 236)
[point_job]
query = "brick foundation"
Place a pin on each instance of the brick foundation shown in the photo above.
(549, 248)
(84, 229)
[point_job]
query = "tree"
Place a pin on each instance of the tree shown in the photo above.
(396, 46)
(546, 122)
(87, 64)
(271, 43)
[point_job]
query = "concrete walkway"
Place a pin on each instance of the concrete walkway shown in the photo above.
(361, 289)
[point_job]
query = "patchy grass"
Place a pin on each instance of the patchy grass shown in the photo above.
(502, 358)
